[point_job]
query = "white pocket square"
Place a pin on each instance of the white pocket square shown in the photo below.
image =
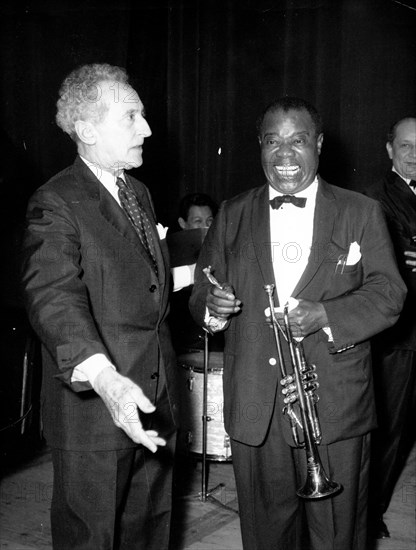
(162, 231)
(354, 254)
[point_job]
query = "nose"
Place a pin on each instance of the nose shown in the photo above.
(143, 127)
(285, 150)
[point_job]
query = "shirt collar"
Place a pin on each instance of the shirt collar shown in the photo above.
(407, 180)
(106, 178)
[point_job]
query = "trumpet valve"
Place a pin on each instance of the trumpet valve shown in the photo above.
(289, 379)
(289, 399)
(289, 389)
(308, 367)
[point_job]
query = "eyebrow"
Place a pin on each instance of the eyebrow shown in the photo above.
(302, 132)
(132, 111)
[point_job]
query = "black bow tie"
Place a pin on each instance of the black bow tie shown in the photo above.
(280, 199)
(412, 183)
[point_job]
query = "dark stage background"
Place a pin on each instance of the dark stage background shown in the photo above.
(204, 70)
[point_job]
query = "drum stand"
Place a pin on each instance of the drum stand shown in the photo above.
(205, 419)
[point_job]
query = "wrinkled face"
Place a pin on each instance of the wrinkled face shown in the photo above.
(403, 149)
(198, 217)
(290, 150)
(120, 135)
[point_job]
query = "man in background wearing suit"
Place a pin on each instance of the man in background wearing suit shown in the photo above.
(395, 349)
(95, 278)
(329, 249)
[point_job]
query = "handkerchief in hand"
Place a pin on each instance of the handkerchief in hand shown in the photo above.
(354, 254)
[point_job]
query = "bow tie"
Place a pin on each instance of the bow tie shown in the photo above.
(412, 183)
(280, 199)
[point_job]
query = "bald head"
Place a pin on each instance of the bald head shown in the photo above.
(401, 147)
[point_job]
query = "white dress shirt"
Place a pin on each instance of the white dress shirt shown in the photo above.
(291, 231)
(291, 234)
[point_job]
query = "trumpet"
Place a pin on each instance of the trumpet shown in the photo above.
(300, 400)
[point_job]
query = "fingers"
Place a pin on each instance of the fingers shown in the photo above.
(307, 317)
(222, 302)
(123, 399)
(151, 442)
(410, 259)
(141, 400)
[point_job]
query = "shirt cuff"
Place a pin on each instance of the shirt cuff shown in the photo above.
(88, 370)
(183, 276)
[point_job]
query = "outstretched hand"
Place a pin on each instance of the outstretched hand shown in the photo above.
(123, 398)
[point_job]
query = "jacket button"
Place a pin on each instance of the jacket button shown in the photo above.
(155, 375)
(153, 288)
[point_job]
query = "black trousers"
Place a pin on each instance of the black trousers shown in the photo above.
(118, 499)
(395, 390)
(274, 517)
(107, 500)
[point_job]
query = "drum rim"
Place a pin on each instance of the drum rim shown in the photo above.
(216, 458)
(193, 368)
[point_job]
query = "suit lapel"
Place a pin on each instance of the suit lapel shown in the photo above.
(260, 234)
(323, 226)
(402, 201)
(110, 210)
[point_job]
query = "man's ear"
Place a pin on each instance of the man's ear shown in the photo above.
(182, 223)
(389, 150)
(85, 132)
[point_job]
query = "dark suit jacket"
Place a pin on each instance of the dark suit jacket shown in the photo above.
(89, 288)
(399, 204)
(361, 301)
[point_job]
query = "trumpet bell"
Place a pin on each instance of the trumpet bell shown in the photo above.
(317, 484)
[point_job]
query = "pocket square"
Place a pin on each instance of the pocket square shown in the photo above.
(162, 231)
(354, 254)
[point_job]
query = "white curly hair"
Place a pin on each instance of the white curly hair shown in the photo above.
(80, 94)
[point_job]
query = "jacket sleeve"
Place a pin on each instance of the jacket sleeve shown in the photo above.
(55, 296)
(212, 254)
(376, 303)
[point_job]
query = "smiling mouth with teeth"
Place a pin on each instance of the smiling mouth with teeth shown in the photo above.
(287, 171)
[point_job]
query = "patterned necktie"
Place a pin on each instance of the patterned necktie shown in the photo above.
(280, 199)
(138, 217)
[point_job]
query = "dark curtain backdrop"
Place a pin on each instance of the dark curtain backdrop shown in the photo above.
(205, 69)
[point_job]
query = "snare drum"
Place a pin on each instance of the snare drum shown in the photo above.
(192, 401)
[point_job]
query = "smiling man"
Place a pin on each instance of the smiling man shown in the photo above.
(329, 249)
(95, 279)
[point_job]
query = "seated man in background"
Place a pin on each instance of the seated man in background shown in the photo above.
(196, 210)
(196, 214)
